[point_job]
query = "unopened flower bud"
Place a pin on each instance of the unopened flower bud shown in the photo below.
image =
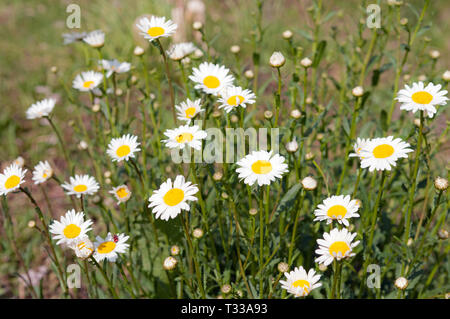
(235, 49)
(138, 51)
(226, 289)
(296, 114)
(170, 263)
(422, 77)
(83, 145)
(217, 176)
(446, 76)
(435, 54)
(253, 211)
(287, 34)
(197, 233)
(306, 62)
(95, 108)
(197, 25)
(309, 183)
(268, 115)
(277, 60)
(440, 183)
(292, 146)
(107, 174)
(442, 234)
(224, 195)
(401, 283)
(358, 91)
(309, 156)
(54, 69)
(249, 74)
(19, 161)
(198, 53)
(404, 21)
(322, 267)
(31, 224)
(283, 267)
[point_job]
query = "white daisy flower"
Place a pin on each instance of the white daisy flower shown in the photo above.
(42, 172)
(419, 97)
(339, 208)
(110, 247)
(95, 39)
(185, 135)
(114, 66)
(87, 81)
(233, 96)
(358, 146)
(73, 37)
(261, 167)
(179, 51)
(156, 27)
(12, 177)
(300, 283)
(382, 153)
(121, 193)
(170, 199)
(123, 148)
(81, 185)
(40, 109)
(71, 227)
(335, 245)
(188, 109)
(83, 247)
(211, 78)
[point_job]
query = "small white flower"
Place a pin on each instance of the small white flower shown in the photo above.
(188, 109)
(339, 208)
(179, 51)
(170, 199)
(71, 227)
(262, 167)
(73, 37)
(42, 172)
(232, 97)
(95, 39)
(114, 66)
(211, 78)
(121, 193)
(277, 60)
(156, 27)
(185, 135)
(40, 109)
(299, 282)
(383, 153)
(110, 247)
(418, 97)
(123, 148)
(83, 247)
(335, 245)
(87, 81)
(81, 185)
(12, 177)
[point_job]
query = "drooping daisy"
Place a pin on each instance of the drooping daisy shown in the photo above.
(335, 245)
(12, 177)
(170, 199)
(185, 135)
(95, 39)
(339, 208)
(358, 146)
(40, 109)
(156, 27)
(110, 247)
(299, 282)
(261, 167)
(211, 78)
(87, 81)
(71, 227)
(81, 185)
(83, 247)
(123, 148)
(179, 51)
(42, 172)
(121, 193)
(188, 109)
(419, 97)
(114, 66)
(382, 153)
(73, 37)
(233, 96)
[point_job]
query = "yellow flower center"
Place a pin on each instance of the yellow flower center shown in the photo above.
(122, 192)
(173, 197)
(106, 247)
(12, 181)
(261, 167)
(336, 211)
(155, 31)
(184, 137)
(302, 283)
(235, 100)
(422, 97)
(72, 231)
(87, 84)
(383, 151)
(211, 82)
(123, 150)
(80, 188)
(339, 247)
(190, 112)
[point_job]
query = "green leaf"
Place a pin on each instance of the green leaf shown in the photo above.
(288, 199)
(319, 53)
